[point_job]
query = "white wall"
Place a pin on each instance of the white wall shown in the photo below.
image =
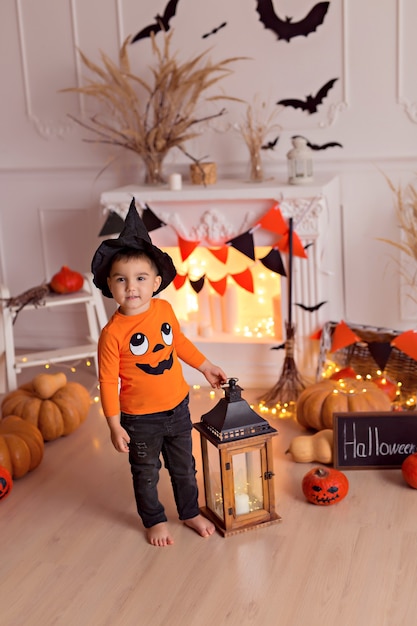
(49, 178)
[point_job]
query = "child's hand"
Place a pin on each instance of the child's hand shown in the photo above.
(213, 373)
(119, 437)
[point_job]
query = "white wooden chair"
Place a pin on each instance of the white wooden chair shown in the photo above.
(12, 364)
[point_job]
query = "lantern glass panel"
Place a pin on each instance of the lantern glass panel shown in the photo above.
(214, 493)
(247, 481)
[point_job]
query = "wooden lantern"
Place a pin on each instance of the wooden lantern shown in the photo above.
(236, 446)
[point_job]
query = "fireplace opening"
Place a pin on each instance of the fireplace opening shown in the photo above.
(239, 314)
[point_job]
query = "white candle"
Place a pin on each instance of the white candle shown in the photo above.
(230, 309)
(277, 312)
(205, 330)
(216, 312)
(204, 318)
(175, 182)
(242, 503)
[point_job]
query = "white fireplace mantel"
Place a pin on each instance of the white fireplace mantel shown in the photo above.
(216, 213)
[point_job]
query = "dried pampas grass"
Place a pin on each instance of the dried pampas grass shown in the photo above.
(151, 118)
(406, 214)
(255, 128)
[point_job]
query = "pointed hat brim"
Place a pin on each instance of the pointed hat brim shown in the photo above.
(133, 236)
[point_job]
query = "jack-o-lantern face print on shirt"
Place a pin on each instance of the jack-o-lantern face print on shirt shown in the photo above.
(154, 354)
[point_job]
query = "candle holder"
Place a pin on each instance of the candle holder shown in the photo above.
(236, 446)
(300, 162)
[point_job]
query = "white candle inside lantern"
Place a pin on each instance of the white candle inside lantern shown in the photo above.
(175, 182)
(242, 503)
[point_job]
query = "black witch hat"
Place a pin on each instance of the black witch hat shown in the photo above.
(133, 236)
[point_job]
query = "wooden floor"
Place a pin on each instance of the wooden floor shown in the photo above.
(73, 551)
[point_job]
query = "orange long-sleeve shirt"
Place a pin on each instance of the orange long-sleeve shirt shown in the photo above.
(143, 351)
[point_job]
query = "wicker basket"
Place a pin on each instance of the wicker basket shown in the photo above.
(203, 173)
(399, 367)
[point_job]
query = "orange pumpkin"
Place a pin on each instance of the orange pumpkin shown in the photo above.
(21, 446)
(317, 403)
(325, 486)
(6, 482)
(66, 281)
(57, 415)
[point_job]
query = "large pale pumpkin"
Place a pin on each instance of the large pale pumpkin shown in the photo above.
(317, 403)
(57, 414)
(21, 446)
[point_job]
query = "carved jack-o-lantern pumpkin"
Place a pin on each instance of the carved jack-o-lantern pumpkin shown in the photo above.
(6, 482)
(325, 486)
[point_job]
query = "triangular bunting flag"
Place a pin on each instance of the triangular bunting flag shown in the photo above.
(244, 243)
(316, 335)
(151, 221)
(380, 352)
(273, 261)
(186, 247)
(297, 246)
(220, 253)
(179, 281)
(219, 285)
(343, 336)
(407, 343)
(113, 225)
(274, 221)
(244, 279)
(197, 285)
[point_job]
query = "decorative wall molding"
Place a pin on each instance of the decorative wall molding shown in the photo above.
(47, 129)
(336, 108)
(409, 106)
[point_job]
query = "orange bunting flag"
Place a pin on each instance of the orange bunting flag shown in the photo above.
(297, 246)
(179, 281)
(274, 221)
(219, 285)
(245, 280)
(316, 335)
(343, 336)
(407, 343)
(220, 253)
(186, 247)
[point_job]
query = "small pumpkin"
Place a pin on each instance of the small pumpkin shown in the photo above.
(45, 385)
(313, 448)
(56, 415)
(66, 281)
(6, 482)
(325, 486)
(21, 446)
(409, 470)
(317, 403)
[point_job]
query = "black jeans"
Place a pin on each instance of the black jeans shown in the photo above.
(169, 433)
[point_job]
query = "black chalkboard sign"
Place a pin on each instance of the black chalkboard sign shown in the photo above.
(373, 440)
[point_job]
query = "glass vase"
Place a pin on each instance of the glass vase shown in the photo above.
(154, 168)
(256, 169)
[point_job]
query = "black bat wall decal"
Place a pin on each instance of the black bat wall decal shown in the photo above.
(287, 29)
(214, 31)
(323, 146)
(270, 145)
(311, 102)
(310, 309)
(161, 22)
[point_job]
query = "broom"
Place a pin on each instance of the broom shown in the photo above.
(290, 383)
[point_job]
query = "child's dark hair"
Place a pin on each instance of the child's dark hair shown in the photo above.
(127, 254)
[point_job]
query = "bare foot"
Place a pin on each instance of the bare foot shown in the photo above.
(159, 535)
(200, 524)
